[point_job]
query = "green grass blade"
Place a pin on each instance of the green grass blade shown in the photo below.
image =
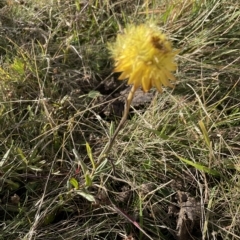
(199, 167)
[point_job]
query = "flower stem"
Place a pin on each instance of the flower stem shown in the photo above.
(120, 125)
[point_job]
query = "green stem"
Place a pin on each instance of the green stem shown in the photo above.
(120, 125)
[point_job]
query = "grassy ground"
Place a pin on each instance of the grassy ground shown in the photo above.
(176, 161)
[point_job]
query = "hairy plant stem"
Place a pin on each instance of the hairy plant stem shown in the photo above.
(127, 105)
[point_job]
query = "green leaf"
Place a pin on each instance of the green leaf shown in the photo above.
(12, 185)
(22, 156)
(200, 167)
(88, 180)
(89, 153)
(86, 195)
(94, 94)
(34, 168)
(50, 217)
(74, 183)
(18, 66)
(5, 157)
(101, 166)
(161, 135)
(78, 6)
(111, 129)
(205, 133)
(79, 161)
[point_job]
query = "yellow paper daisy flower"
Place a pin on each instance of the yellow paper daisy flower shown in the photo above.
(144, 56)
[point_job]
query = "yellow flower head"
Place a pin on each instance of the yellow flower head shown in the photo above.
(144, 56)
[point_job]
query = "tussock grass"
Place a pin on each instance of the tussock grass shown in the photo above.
(55, 84)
